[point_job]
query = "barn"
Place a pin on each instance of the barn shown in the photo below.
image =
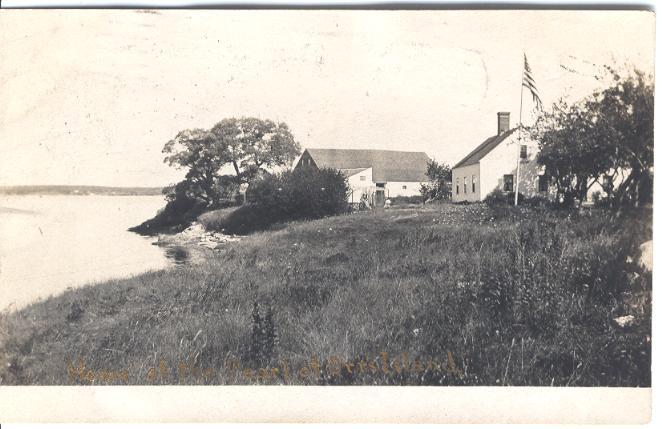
(493, 165)
(379, 174)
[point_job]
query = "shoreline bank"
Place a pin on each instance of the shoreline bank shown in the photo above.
(196, 235)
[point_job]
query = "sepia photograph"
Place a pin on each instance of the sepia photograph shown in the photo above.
(326, 198)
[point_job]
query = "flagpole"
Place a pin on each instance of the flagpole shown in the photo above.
(519, 137)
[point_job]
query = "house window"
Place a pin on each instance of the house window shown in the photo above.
(522, 151)
(543, 183)
(362, 178)
(465, 185)
(404, 186)
(457, 186)
(508, 182)
(473, 183)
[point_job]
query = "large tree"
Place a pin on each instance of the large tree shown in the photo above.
(200, 153)
(440, 186)
(232, 152)
(605, 139)
(252, 145)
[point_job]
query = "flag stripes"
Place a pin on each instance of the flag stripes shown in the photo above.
(530, 83)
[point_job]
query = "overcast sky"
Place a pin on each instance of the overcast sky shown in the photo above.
(91, 97)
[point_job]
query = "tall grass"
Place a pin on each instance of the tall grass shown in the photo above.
(450, 295)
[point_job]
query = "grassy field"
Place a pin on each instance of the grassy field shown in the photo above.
(437, 294)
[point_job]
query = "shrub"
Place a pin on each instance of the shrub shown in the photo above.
(213, 219)
(176, 216)
(264, 338)
(439, 187)
(596, 197)
(75, 312)
(520, 198)
(536, 201)
(414, 199)
(296, 195)
(496, 198)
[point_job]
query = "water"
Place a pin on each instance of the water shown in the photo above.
(51, 243)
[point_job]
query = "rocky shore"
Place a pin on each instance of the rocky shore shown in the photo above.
(196, 235)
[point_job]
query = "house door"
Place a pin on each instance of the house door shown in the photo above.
(379, 198)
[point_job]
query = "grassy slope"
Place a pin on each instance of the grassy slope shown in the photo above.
(515, 301)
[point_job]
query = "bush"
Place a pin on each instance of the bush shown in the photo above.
(496, 198)
(264, 338)
(439, 187)
(414, 199)
(536, 201)
(520, 198)
(183, 207)
(176, 216)
(499, 198)
(296, 195)
(212, 220)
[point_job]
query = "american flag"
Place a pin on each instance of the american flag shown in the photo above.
(528, 82)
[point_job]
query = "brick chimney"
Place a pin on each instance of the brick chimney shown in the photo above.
(503, 122)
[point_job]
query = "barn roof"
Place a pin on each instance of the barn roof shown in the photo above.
(387, 165)
(484, 148)
(352, 171)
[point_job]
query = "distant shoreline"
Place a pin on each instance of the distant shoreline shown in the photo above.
(14, 211)
(79, 190)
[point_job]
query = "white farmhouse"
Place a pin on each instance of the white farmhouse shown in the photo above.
(493, 165)
(379, 174)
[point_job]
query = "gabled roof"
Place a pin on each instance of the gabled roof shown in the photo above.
(387, 165)
(352, 171)
(484, 148)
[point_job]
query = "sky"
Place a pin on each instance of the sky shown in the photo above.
(89, 97)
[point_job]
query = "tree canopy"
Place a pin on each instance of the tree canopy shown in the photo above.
(605, 139)
(439, 187)
(246, 146)
(251, 144)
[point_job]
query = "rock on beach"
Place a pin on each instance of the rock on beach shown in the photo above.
(197, 235)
